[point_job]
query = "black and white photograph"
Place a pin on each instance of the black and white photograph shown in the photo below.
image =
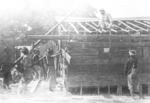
(74, 51)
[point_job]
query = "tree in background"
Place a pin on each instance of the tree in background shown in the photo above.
(38, 20)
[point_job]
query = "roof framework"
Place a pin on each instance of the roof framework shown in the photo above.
(120, 26)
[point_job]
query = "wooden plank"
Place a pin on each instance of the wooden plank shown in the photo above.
(106, 44)
(83, 50)
(66, 56)
(94, 80)
(87, 60)
(90, 61)
(83, 54)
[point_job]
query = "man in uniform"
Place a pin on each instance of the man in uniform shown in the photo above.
(132, 73)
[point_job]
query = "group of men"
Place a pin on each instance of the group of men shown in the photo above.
(29, 65)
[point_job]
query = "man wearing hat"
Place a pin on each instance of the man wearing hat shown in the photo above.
(105, 19)
(132, 71)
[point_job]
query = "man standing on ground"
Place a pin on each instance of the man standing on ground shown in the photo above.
(132, 73)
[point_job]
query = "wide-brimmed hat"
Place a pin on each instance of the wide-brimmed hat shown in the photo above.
(132, 52)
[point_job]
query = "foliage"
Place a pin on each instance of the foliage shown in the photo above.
(37, 21)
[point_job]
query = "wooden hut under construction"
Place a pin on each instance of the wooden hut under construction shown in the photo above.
(98, 55)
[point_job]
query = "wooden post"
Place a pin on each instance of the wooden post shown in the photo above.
(148, 89)
(81, 90)
(109, 89)
(119, 89)
(98, 89)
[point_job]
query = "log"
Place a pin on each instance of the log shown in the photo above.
(89, 37)
(107, 44)
(90, 61)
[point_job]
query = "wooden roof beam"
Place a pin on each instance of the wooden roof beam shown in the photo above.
(93, 27)
(142, 23)
(88, 37)
(63, 28)
(84, 27)
(113, 30)
(104, 30)
(74, 28)
(94, 24)
(147, 22)
(127, 26)
(137, 26)
(121, 28)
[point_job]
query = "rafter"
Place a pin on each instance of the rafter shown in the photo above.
(94, 24)
(104, 30)
(113, 30)
(93, 27)
(84, 27)
(142, 23)
(63, 28)
(127, 25)
(74, 28)
(121, 28)
(147, 22)
(137, 26)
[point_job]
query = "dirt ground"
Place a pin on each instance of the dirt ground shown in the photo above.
(42, 95)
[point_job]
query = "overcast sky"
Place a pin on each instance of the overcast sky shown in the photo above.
(117, 8)
(124, 8)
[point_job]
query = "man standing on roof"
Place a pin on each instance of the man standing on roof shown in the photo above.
(132, 73)
(105, 19)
